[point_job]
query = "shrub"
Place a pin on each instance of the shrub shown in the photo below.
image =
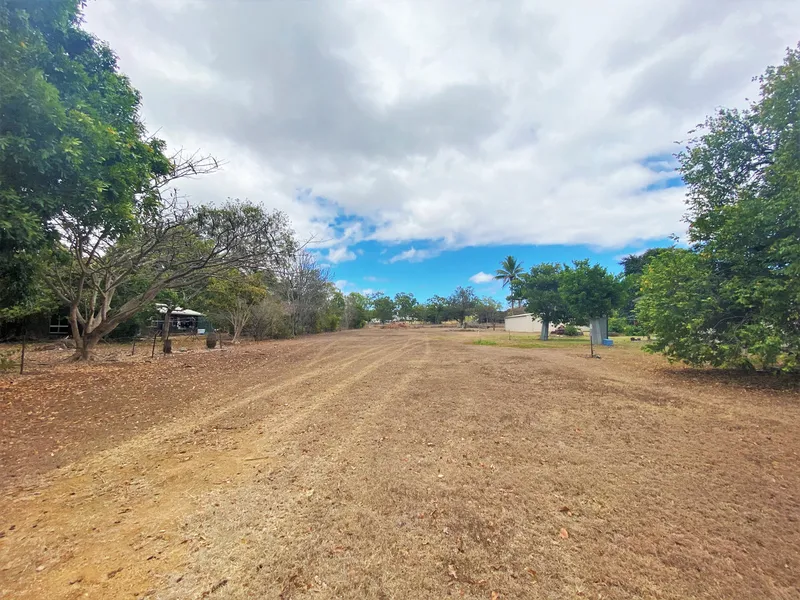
(572, 331)
(211, 341)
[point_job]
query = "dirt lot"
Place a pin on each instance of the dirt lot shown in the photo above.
(398, 464)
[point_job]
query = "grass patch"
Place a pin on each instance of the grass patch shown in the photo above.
(485, 343)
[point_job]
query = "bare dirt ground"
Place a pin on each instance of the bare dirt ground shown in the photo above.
(398, 464)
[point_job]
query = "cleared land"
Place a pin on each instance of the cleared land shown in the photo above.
(398, 464)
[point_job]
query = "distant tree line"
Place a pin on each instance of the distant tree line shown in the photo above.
(462, 305)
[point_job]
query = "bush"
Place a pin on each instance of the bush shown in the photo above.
(269, 320)
(211, 341)
(572, 331)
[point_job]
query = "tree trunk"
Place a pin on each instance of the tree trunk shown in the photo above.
(73, 325)
(84, 348)
(545, 335)
(165, 330)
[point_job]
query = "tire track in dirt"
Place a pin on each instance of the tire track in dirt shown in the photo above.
(182, 429)
(320, 475)
(179, 480)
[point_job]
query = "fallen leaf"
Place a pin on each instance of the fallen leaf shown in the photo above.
(452, 571)
(564, 509)
(564, 533)
(495, 595)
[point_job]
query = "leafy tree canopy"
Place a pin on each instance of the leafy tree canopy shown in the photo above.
(742, 172)
(541, 291)
(71, 140)
(588, 291)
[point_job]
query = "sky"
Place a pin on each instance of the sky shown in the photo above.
(416, 144)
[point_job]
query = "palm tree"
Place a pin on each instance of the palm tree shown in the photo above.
(509, 271)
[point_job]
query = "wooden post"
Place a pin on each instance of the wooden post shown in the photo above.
(591, 344)
(22, 357)
(133, 348)
(153, 353)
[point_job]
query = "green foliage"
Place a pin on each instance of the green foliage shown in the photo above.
(436, 309)
(71, 141)
(742, 171)
(485, 343)
(681, 305)
(487, 310)
(23, 289)
(509, 272)
(461, 303)
(356, 311)
(406, 306)
(540, 289)
(571, 330)
(635, 264)
(383, 308)
(588, 291)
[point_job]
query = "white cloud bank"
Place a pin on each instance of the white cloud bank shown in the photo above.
(468, 122)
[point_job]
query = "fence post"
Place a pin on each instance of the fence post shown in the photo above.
(22, 357)
(133, 348)
(153, 354)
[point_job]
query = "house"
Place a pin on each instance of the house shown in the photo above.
(181, 320)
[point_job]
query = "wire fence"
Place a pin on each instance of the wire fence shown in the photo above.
(29, 354)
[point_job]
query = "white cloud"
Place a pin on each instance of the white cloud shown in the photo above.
(482, 277)
(340, 254)
(341, 284)
(522, 122)
(414, 255)
(373, 278)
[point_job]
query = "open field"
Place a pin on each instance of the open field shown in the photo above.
(398, 464)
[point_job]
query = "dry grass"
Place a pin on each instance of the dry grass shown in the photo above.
(400, 464)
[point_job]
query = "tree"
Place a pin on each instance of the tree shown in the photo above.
(542, 294)
(436, 309)
(588, 292)
(509, 271)
(72, 145)
(356, 311)
(406, 305)
(461, 303)
(172, 247)
(303, 285)
(742, 173)
(682, 305)
(269, 319)
(487, 310)
(231, 297)
(383, 307)
(635, 264)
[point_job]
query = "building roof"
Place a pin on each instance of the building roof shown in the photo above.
(178, 312)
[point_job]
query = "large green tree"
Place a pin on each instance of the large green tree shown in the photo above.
(383, 307)
(742, 172)
(540, 289)
(73, 150)
(588, 291)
